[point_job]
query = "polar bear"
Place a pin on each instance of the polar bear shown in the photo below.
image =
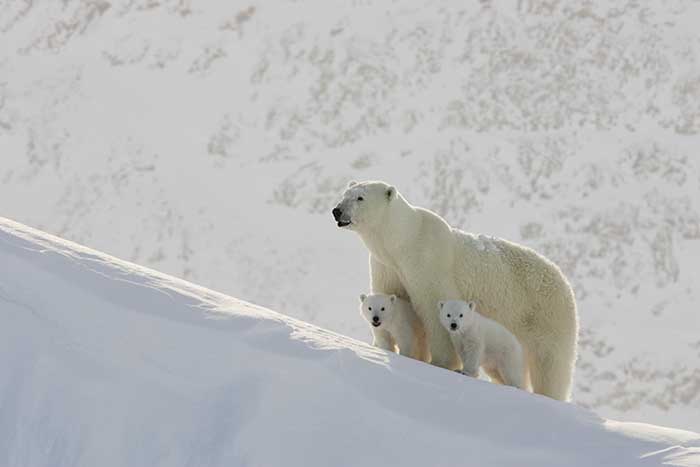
(482, 342)
(394, 323)
(416, 255)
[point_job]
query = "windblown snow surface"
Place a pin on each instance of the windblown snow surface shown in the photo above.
(210, 140)
(106, 363)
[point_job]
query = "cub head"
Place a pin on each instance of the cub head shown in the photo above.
(455, 315)
(377, 309)
(363, 205)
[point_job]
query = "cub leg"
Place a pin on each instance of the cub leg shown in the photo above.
(384, 340)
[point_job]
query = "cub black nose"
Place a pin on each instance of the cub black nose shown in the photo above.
(337, 213)
(453, 326)
(375, 319)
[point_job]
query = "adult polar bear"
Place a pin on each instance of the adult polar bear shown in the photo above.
(416, 255)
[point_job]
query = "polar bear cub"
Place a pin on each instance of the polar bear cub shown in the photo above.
(481, 341)
(394, 323)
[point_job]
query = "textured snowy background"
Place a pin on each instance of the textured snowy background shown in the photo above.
(210, 140)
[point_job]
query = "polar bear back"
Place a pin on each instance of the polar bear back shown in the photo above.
(512, 282)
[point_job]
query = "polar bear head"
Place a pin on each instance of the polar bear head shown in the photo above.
(456, 314)
(378, 309)
(364, 205)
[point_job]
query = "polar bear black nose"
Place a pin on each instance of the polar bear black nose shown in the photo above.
(337, 213)
(375, 319)
(453, 326)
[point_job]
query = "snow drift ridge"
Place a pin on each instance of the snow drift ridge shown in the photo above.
(107, 363)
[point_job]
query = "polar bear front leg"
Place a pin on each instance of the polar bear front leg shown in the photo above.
(384, 340)
(494, 374)
(404, 345)
(385, 280)
(442, 351)
(470, 362)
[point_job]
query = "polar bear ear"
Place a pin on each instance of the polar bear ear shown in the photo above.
(352, 183)
(441, 304)
(363, 297)
(471, 305)
(392, 298)
(390, 193)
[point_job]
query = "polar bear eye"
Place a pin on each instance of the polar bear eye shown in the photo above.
(449, 315)
(370, 308)
(360, 198)
(382, 309)
(460, 315)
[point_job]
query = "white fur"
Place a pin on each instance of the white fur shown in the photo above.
(481, 341)
(416, 255)
(396, 325)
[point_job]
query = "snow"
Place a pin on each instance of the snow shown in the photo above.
(210, 140)
(103, 362)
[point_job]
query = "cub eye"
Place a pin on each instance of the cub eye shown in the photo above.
(460, 315)
(360, 198)
(382, 308)
(449, 315)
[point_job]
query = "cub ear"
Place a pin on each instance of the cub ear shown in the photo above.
(392, 298)
(441, 304)
(363, 297)
(390, 193)
(352, 183)
(472, 305)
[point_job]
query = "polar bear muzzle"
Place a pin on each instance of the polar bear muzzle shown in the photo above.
(340, 217)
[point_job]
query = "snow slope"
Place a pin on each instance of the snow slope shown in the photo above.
(103, 362)
(210, 139)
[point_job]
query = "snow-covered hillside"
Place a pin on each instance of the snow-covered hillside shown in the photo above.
(211, 139)
(105, 363)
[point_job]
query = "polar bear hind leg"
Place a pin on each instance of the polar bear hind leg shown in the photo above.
(551, 371)
(551, 356)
